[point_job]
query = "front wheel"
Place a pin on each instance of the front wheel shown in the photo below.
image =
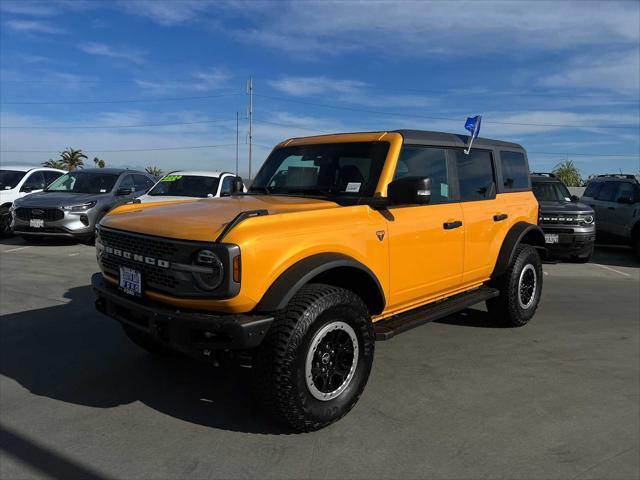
(520, 288)
(315, 362)
(5, 222)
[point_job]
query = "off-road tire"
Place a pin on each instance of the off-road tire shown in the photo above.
(507, 308)
(145, 342)
(279, 365)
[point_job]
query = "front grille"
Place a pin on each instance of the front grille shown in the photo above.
(559, 220)
(48, 214)
(157, 277)
(142, 245)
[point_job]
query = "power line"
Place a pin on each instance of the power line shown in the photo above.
(134, 100)
(290, 125)
(448, 119)
(143, 125)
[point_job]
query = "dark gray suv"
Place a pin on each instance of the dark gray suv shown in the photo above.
(616, 201)
(73, 204)
(568, 225)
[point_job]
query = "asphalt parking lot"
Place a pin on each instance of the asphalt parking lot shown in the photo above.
(460, 398)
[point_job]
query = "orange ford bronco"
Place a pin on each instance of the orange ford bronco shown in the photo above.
(342, 240)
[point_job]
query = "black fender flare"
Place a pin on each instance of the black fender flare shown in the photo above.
(6, 205)
(299, 274)
(534, 237)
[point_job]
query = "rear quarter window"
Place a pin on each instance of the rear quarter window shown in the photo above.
(515, 171)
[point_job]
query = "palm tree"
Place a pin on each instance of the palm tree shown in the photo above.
(99, 162)
(72, 159)
(154, 171)
(568, 173)
(59, 164)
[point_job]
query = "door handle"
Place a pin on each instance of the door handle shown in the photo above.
(452, 225)
(500, 217)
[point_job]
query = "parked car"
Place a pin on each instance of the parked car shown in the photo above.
(16, 181)
(568, 225)
(341, 240)
(616, 201)
(73, 204)
(186, 184)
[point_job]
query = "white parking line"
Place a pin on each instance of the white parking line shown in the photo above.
(15, 249)
(611, 269)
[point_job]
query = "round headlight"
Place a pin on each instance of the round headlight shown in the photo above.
(587, 219)
(210, 275)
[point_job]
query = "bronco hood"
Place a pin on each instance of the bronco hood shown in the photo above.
(202, 220)
(564, 207)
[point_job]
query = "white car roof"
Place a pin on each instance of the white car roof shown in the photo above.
(198, 173)
(26, 168)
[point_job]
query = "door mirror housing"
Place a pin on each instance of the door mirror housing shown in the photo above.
(410, 191)
(124, 191)
(26, 188)
(574, 198)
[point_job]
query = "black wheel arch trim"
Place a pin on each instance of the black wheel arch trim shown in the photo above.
(299, 274)
(514, 237)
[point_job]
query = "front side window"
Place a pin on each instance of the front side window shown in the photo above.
(418, 161)
(83, 182)
(227, 183)
(35, 181)
(175, 185)
(475, 174)
(593, 189)
(515, 173)
(625, 190)
(10, 178)
(550, 192)
(342, 169)
(608, 192)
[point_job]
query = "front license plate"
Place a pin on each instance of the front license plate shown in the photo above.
(551, 238)
(36, 223)
(130, 281)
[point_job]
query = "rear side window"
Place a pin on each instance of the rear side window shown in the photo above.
(515, 173)
(593, 189)
(226, 185)
(415, 161)
(475, 174)
(608, 192)
(625, 189)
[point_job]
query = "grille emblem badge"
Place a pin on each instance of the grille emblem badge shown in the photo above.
(37, 211)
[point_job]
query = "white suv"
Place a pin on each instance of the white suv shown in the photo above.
(17, 181)
(190, 185)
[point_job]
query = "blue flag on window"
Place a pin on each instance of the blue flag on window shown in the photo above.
(473, 125)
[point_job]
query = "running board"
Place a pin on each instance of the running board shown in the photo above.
(389, 327)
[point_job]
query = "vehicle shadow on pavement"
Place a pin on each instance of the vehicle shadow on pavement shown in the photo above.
(72, 353)
(615, 256)
(37, 242)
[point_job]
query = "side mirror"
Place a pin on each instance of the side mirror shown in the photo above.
(625, 200)
(410, 191)
(27, 188)
(237, 186)
(574, 198)
(124, 191)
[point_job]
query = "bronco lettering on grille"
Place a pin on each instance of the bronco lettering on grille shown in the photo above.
(138, 258)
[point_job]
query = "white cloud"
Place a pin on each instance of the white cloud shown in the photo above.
(101, 49)
(31, 8)
(32, 26)
(166, 12)
(619, 71)
(199, 81)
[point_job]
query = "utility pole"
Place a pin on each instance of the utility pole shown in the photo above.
(237, 137)
(250, 114)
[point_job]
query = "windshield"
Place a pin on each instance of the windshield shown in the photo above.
(83, 182)
(186, 186)
(350, 169)
(551, 192)
(10, 178)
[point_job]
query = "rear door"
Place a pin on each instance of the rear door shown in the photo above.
(484, 214)
(623, 213)
(426, 242)
(605, 206)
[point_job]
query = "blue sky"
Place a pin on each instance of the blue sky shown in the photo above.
(561, 78)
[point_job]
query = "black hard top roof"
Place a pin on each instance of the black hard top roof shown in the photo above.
(453, 140)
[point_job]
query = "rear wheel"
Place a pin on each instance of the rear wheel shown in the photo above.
(315, 362)
(145, 342)
(520, 288)
(5, 222)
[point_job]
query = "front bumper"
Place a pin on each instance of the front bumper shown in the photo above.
(194, 333)
(574, 244)
(70, 226)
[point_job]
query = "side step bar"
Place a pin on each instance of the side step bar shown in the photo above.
(389, 327)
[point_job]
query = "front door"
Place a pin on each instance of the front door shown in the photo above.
(426, 242)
